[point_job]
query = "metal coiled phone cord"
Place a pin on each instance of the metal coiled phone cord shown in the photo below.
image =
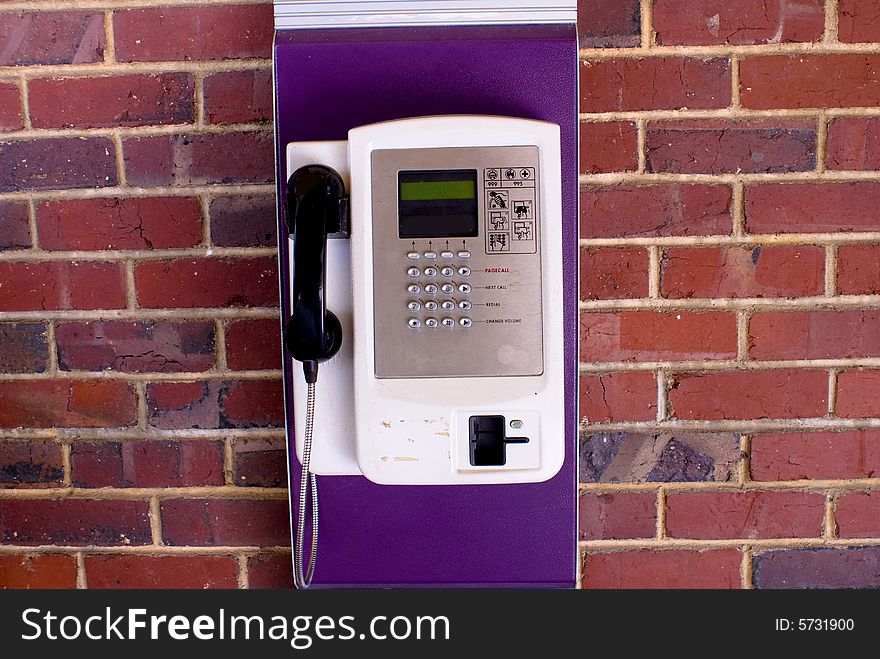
(308, 484)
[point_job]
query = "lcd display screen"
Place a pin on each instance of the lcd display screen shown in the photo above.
(437, 203)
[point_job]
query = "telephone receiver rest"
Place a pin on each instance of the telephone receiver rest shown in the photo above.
(317, 205)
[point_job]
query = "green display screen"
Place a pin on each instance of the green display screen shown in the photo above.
(437, 190)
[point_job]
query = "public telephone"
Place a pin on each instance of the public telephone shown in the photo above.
(426, 267)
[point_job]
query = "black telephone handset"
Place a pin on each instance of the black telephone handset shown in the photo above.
(317, 205)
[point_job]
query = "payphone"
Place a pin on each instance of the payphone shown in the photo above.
(428, 252)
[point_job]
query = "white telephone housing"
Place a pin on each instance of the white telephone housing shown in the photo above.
(450, 296)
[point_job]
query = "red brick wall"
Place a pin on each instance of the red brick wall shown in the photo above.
(730, 287)
(730, 281)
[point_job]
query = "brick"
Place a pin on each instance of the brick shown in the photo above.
(24, 348)
(243, 221)
(614, 397)
(51, 37)
(245, 404)
(858, 21)
(721, 515)
(114, 223)
(652, 336)
(850, 567)
(782, 394)
(253, 345)
(662, 569)
(810, 81)
(74, 522)
(193, 463)
(60, 286)
(857, 394)
(808, 207)
(152, 572)
(609, 274)
(617, 516)
(234, 523)
(273, 571)
(858, 270)
(815, 335)
(239, 97)
(110, 101)
(655, 211)
(30, 463)
(622, 457)
(655, 83)
(66, 404)
(199, 158)
(815, 455)
(57, 163)
(10, 107)
(731, 147)
(746, 22)
(609, 23)
(608, 147)
(260, 463)
(40, 571)
(14, 230)
(853, 144)
(716, 272)
(207, 282)
(193, 33)
(858, 515)
(136, 347)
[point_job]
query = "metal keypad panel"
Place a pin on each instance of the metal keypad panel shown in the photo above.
(466, 306)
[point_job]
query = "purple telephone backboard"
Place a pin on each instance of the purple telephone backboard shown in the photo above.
(329, 81)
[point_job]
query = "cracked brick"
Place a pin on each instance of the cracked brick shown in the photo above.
(30, 463)
(812, 207)
(75, 522)
(858, 21)
(61, 285)
(618, 516)
(858, 270)
(613, 274)
(853, 144)
(616, 397)
(793, 456)
(67, 404)
(609, 23)
(14, 230)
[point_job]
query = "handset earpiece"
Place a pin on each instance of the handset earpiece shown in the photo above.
(317, 205)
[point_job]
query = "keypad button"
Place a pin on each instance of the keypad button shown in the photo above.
(413, 289)
(448, 305)
(465, 322)
(412, 255)
(447, 271)
(413, 306)
(464, 271)
(413, 272)
(464, 288)
(447, 255)
(448, 322)
(430, 255)
(464, 305)
(431, 322)
(464, 254)
(430, 305)
(447, 288)
(431, 289)
(430, 272)
(414, 323)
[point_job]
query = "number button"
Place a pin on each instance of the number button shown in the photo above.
(413, 289)
(464, 271)
(430, 272)
(448, 322)
(464, 288)
(430, 305)
(447, 271)
(448, 305)
(414, 323)
(447, 288)
(413, 272)
(431, 322)
(413, 306)
(431, 289)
